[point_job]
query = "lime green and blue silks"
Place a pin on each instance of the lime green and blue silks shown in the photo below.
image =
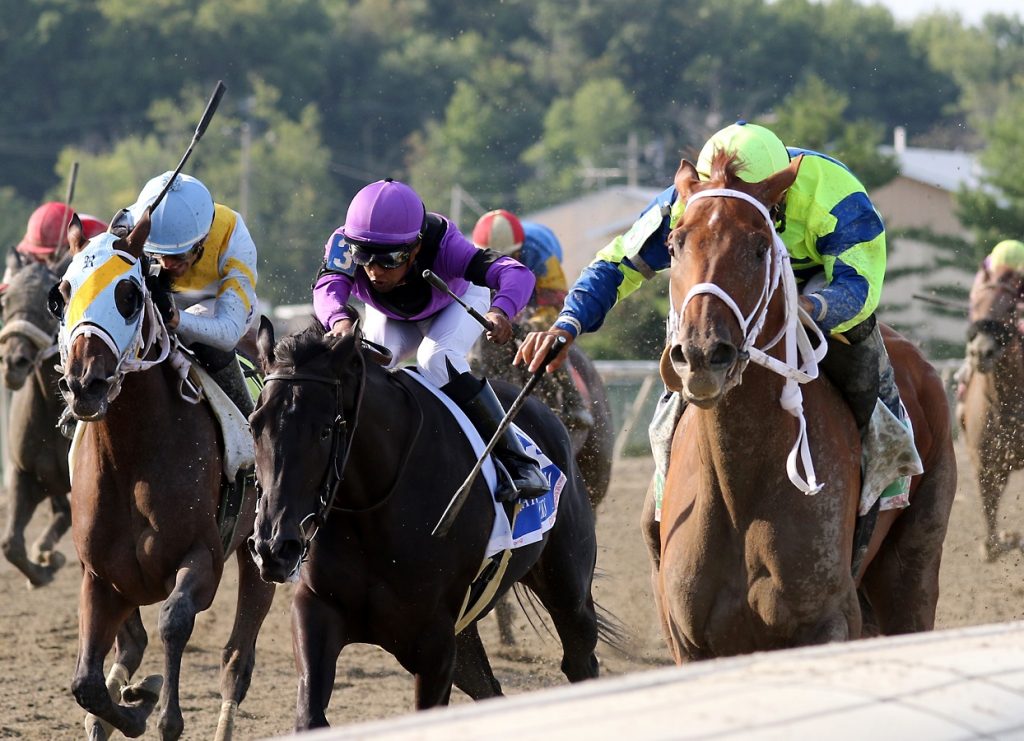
(831, 229)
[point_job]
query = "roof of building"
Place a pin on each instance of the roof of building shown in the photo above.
(941, 168)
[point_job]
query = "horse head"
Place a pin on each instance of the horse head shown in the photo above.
(302, 434)
(100, 302)
(993, 316)
(28, 337)
(725, 267)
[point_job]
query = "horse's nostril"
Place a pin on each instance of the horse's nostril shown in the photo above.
(676, 355)
(723, 355)
(96, 387)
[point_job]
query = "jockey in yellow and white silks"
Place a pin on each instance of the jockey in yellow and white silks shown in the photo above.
(206, 251)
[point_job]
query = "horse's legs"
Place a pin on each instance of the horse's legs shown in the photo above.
(433, 665)
(562, 580)
(504, 614)
(102, 611)
(317, 640)
(902, 582)
(24, 495)
(60, 521)
(650, 528)
(991, 483)
(254, 599)
(194, 589)
(473, 674)
(129, 647)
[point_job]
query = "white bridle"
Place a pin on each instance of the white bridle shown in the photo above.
(801, 355)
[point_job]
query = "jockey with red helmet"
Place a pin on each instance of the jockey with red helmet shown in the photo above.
(47, 229)
(378, 255)
(537, 247)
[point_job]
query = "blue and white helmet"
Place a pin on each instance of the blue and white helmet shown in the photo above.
(183, 217)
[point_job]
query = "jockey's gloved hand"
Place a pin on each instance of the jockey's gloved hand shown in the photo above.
(159, 286)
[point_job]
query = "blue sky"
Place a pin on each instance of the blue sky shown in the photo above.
(971, 11)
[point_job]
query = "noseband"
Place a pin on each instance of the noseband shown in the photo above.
(802, 356)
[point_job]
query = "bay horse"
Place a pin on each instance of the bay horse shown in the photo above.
(38, 452)
(992, 414)
(145, 489)
(743, 559)
(356, 465)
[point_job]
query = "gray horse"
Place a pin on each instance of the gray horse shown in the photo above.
(38, 453)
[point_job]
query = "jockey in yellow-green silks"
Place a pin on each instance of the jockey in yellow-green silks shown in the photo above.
(836, 242)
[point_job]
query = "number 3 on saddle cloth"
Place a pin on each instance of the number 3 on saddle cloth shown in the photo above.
(238, 454)
(529, 521)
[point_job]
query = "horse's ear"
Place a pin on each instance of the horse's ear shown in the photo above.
(265, 344)
(136, 239)
(76, 235)
(771, 189)
(668, 372)
(686, 178)
(343, 352)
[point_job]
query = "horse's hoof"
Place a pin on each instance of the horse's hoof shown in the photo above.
(145, 692)
(97, 729)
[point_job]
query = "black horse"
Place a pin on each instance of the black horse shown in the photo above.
(38, 452)
(373, 573)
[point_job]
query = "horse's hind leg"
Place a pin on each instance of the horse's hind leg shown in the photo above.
(902, 581)
(24, 495)
(504, 614)
(254, 599)
(473, 673)
(193, 592)
(102, 611)
(562, 579)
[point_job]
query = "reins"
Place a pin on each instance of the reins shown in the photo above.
(334, 475)
(801, 356)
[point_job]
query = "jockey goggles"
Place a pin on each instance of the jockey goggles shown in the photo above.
(387, 256)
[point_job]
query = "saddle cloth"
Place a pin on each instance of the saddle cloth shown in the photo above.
(536, 516)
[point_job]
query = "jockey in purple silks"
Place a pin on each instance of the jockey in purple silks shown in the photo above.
(378, 255)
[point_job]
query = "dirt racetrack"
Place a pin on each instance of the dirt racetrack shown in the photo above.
(38, 630)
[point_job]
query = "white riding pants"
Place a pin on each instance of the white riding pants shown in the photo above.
(448, 335)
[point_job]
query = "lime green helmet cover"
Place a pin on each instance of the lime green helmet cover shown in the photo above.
(1008, 253)
(761, 152)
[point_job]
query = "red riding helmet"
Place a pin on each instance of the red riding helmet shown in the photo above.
(48, 226)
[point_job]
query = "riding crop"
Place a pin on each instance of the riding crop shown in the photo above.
(455, 505)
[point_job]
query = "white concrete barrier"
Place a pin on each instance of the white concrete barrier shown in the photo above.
(955, 684)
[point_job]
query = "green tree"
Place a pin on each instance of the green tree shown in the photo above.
(814, 116)
(293, 204)
(587, 131)
(995, 210)
(14, 213)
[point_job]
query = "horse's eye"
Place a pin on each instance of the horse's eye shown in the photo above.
(128, 299)
(762, 248)
(325, 433)
(675, 244)
(55, 301)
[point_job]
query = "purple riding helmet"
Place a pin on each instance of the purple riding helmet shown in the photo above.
(384, 222)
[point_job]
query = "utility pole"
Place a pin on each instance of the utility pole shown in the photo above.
(632, 160)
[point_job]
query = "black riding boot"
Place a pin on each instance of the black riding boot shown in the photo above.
(519, 476)
(223, 367)
(854, 367)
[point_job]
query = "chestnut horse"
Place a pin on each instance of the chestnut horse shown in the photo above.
(356, 464)
(744, 560)
(992, 413)
(38, 452)
(146, 481)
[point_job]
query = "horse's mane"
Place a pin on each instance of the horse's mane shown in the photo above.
(302, 347)
(725, 166)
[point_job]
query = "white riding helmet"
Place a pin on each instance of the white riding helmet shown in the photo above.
(183, 217)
